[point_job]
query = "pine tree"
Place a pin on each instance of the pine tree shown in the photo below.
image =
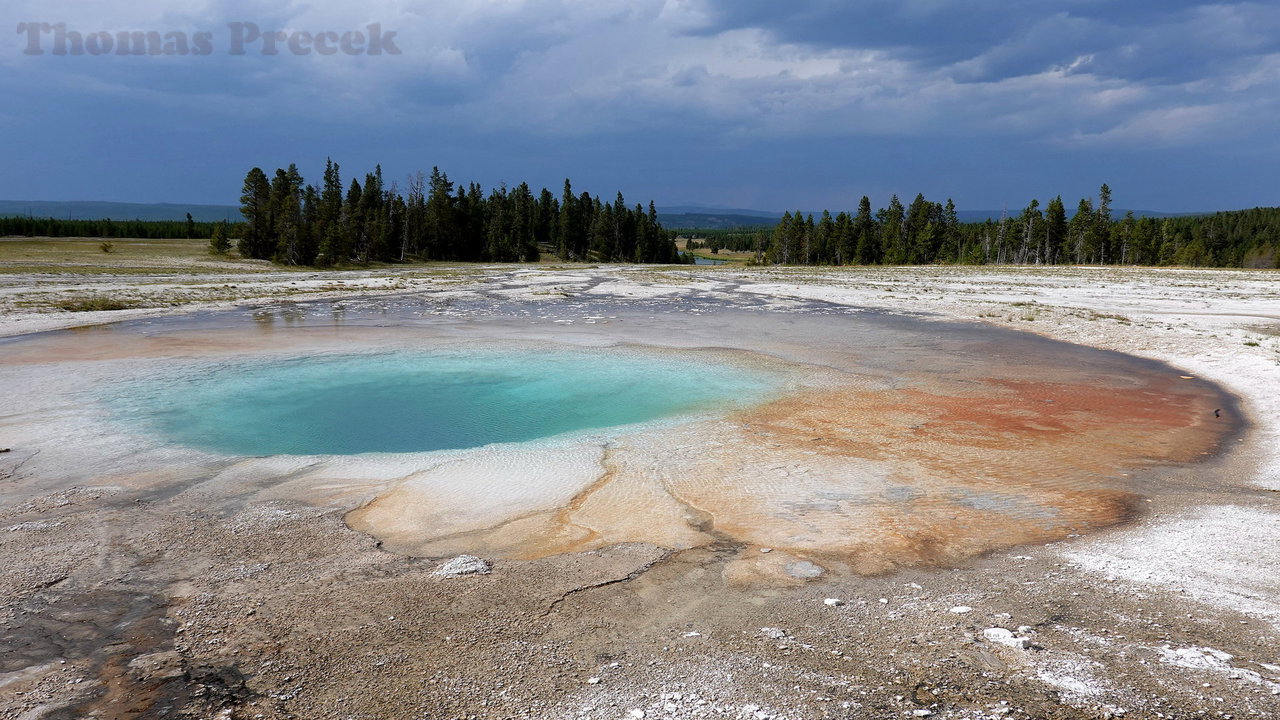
(824, 240)
(867, 247)
(470, 212)
(845, 245)
(353, 226)
(546, 223)
(308, 241)
(1102, 225)
(1125, 236)
(415, 222)
(780, 243)
(255, 205)
(286, 216)
(371, 242)
(329, 230)
(892, 240)
(951, 238)
(571, 240)
(1081, 230)
(602, 231)
(524, 221)
(499, 221)
(1055, 232)
(1029, 226)
(443, 237)
(219, 242)
(917, 231)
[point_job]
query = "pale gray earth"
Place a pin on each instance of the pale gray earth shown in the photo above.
(127, 600)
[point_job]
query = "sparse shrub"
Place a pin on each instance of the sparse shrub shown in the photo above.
(95, 303)
(107, 246)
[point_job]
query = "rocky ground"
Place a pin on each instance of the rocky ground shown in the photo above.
(132, 603)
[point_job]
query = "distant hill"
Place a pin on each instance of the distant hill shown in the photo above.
(709, 210)
(93, 210)
(715, 221)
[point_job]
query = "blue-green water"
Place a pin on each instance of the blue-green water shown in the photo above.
(411, 401)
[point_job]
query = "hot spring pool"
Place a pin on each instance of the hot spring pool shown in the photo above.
(849, 440)
(424, 400)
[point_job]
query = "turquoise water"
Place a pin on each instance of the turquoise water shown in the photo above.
(408, 401)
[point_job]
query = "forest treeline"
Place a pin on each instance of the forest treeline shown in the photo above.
(927, 232)
(291, 222)
(146, 229)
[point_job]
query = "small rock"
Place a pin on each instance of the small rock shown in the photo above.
(1000, 636)
(922, 713)
(833, 602)
(463, 565)
(637, 713)
(593, 681)
(884, 601)
(774, 633)
(961, 609)
(766, 550)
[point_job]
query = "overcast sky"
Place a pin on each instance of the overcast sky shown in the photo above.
(739, 103)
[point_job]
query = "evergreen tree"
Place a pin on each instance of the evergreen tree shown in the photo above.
(499, 222)
(524, 223)
(602, 231)
(1030, 227)
(891, 235)
(546, 223)
(415, 221)
(219, 242)
(572, 240)
(1081, 231)
(286, 216)
(780, 245)
(308, 241)
(866, 236)
(822, 250)
(443, 237)
(1055, 233)
(255, 205)
(1102, 226)
(951, 239)
(1125, 237)
(845, 244)
(371, 242)
(353, 226)
(329, 228)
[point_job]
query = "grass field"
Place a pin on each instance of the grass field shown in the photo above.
(726, 256)
(88, 256)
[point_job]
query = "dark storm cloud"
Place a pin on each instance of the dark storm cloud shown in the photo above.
(1168, 41)
(732, 102)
